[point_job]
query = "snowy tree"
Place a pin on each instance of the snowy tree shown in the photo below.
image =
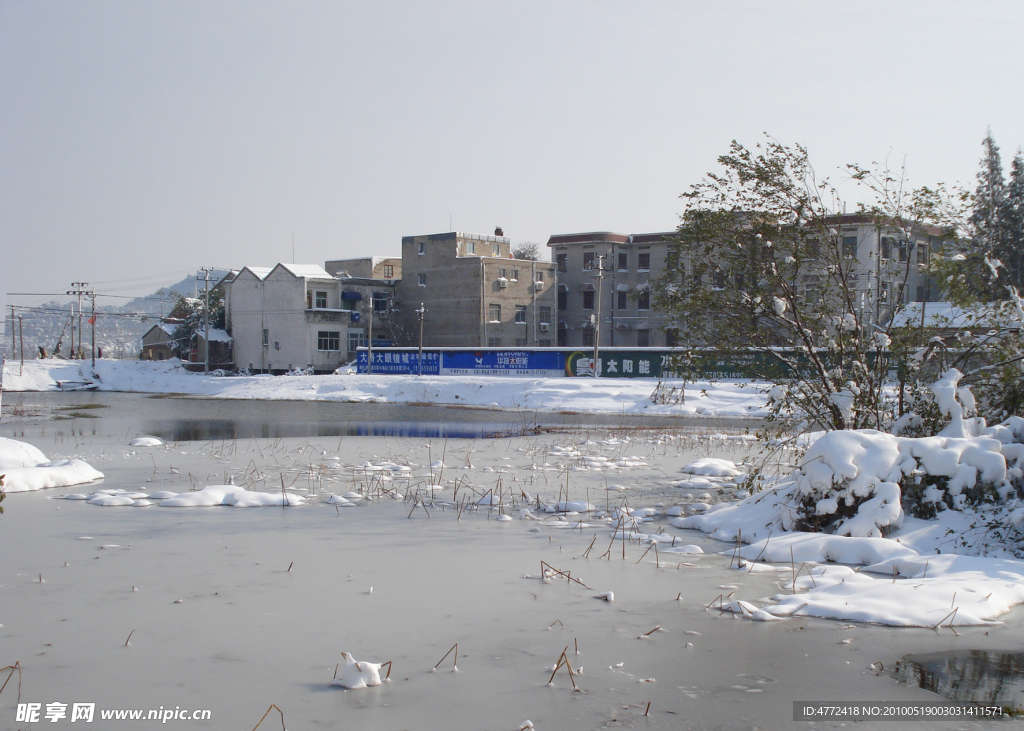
(190, 311)
(527, 250)
(760, 262)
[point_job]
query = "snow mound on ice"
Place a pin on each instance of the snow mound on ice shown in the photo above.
(25, 468)
(358, 673)
(712, 467)
(145, 442)
(232, 495)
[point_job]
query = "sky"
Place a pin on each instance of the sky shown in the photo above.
(140, 141)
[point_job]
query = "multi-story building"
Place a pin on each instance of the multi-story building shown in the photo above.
(887, 269)
(285, 317)
(622, 267)
(368, 267)
(474, 293)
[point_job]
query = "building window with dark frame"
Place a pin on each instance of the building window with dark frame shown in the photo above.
(328, 340)
(623, 300)
(520, 342)
(389, 271)
(380, 302)
(563, 298)
(493, 342)
(520, 314)
(623, 261)
(588, 299)
(544, 313)
(266, 337)
(849, 247)
(494, 312)
(588, 261)
(643, 338)
(643, 299)
(643, 262)
(562, 262)
(421, 279)
(321, 301)
(588, 337)
(563, 335)
(422, 248)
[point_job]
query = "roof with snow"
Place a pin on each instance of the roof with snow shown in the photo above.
(216, 335)
(306, 271)
(949, 316)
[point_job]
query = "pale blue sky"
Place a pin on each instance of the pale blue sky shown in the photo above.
(140, 140)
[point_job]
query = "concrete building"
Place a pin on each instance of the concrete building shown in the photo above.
(284, 317)
(878, 257)
(474, 293)
(387, 268)
(627, 263)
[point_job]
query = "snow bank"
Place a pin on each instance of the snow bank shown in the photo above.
(25, 468)
(584, 395)
(713, 468)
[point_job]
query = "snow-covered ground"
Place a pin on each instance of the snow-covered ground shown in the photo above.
(583, 395)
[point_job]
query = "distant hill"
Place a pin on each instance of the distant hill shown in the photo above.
(119, 328)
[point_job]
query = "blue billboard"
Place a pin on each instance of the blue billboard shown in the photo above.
(502, 363)
(391, 362)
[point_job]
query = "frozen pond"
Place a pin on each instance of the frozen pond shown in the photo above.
(218, 621)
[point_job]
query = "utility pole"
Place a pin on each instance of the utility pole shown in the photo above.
(369, 340)
(419, 361)
(78, 288)
(92, 321)
(206, 317)
(597, 317)
(21, 333)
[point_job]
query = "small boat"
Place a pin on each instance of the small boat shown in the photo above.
(77, 385)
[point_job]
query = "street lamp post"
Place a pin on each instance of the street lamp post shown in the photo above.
(419, 360)
(597, 317)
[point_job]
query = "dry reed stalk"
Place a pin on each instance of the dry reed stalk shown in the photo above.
(12, 668)
(586, 554)
(388, 663)
(648, 634)
(129, 638)
(645, 552)
(455, 660)
(557, 621)
(272, 707)
(648, 711)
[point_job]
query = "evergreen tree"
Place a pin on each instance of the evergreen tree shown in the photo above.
(1011, 250)
(986, 218)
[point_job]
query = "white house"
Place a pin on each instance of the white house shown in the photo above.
(285, 317)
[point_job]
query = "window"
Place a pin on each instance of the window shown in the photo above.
(495, 250)
(563, 335)
(520, 314)
(515, 275)
(544, 313)
(423, 248)
(643, 300)
(588, 260)
(922, 253)
(849, 247)
(266, 337)
(520, 342)
(380, 301)
(886, 247)
(389, 271)
(309, 300)
(623, 261)
(563, 298)
(493, 342)
(321, 300)
(671, 337)
(503, 274)
(588, 336)
(718, 280)
(540, 275)
(421, 279)
(588, 299)
(470, 247)
(328, 340)
(546, 343)
(643, 338)
(622, 304)
(643, 262)
(562, 260)
(494, 313)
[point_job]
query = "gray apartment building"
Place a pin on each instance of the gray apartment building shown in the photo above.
(474, 293)
(621, 268)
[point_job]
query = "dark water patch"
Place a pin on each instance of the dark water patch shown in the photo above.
(968, 676)
(229, 429)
